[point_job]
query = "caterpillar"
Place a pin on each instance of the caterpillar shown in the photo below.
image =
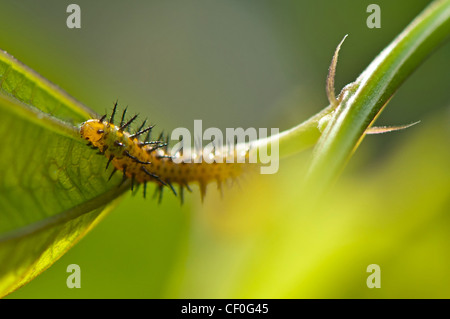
(146, 160)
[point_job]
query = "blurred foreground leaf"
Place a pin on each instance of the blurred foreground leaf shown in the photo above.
(275, 243)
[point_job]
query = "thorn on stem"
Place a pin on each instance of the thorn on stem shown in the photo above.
(331, 75)
(386, 129)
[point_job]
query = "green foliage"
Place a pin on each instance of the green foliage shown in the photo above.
(364, 99)
(53, 188)
(25, 85)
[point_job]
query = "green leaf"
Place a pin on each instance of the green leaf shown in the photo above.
(24, 84)
(53, 189)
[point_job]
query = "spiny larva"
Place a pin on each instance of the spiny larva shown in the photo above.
(148, 160)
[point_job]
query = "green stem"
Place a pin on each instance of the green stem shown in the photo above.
(296, 139)
(364, 99)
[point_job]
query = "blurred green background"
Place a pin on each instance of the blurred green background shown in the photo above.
(251, 64)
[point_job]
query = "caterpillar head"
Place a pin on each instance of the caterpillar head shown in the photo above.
(92, 130)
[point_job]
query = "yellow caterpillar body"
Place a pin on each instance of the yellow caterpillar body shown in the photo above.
(149, 161)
